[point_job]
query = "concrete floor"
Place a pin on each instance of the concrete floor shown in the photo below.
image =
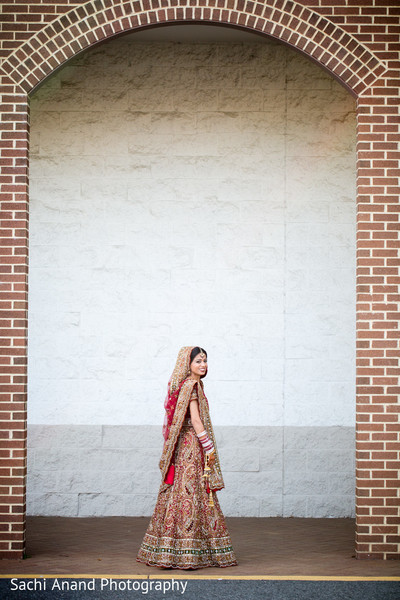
(263, 546)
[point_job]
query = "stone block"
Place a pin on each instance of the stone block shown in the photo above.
(58, 100)
(54, 504)
(271, 505)
(241, 459)
(256, 436)
(306, 211)
(186, 103)
(53, 233)
(100, 505)
(270, 213)
(152, 481)
(198, 55)
(56, 459)
(233, 99)
(309, 175)
(316, 301)
(72, 436)
(303, 437)
(104, 367)
(342, 484)
(93, 460)
(318, 412)
(128, 167)
(294, 505)
(139, 505)
(265, 407)
(257, 257)
(309, 345)
(75, 482)
(121, 482)
(332, 506)
(252, 483)
(316, 438)
(301, 74)
(208, 75)
(109, 99)
(271, 457)
(41, 481)
(344, 255)
(295, 460)
(128, 436)
(42, 189)
(151, 100)
(240, 505)
(55, 141)
(304, 370)
(216, 122)
(59, 167)
(326, 101)
(332, 459)
(303, 483)
(269, 76)
(131, 482)
(273, 369)
(142, 459)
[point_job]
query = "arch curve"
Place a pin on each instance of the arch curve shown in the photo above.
(285, 20)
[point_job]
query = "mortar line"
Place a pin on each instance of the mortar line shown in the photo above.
(285, 130)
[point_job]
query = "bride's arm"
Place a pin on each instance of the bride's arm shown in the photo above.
(195, 416)
(201, 433)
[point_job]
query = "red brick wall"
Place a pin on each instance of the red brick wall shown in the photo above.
(378, 318)
(358, 42)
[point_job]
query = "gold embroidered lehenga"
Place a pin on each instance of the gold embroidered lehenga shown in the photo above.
(186, 531)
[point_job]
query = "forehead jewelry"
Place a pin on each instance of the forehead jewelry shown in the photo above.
(202, 353)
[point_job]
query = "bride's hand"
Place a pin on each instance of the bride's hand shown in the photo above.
(211, 458)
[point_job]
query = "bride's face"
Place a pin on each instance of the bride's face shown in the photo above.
(198, 366)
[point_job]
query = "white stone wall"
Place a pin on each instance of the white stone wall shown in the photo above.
(95, 470)
(192, 194)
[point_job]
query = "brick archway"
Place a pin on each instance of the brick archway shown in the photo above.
(354, 57)
(290, 22)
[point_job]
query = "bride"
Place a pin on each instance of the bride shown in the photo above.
(187, 529)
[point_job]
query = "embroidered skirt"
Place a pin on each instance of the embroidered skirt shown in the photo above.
(184, 531)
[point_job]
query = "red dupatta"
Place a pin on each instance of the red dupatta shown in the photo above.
(179, 374)
(180, 388)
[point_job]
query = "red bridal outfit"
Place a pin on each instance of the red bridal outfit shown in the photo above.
(187, 529)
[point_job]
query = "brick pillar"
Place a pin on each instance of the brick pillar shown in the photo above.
(13, 318)
(378, 464)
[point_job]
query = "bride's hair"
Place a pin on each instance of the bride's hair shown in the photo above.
(197, 350)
